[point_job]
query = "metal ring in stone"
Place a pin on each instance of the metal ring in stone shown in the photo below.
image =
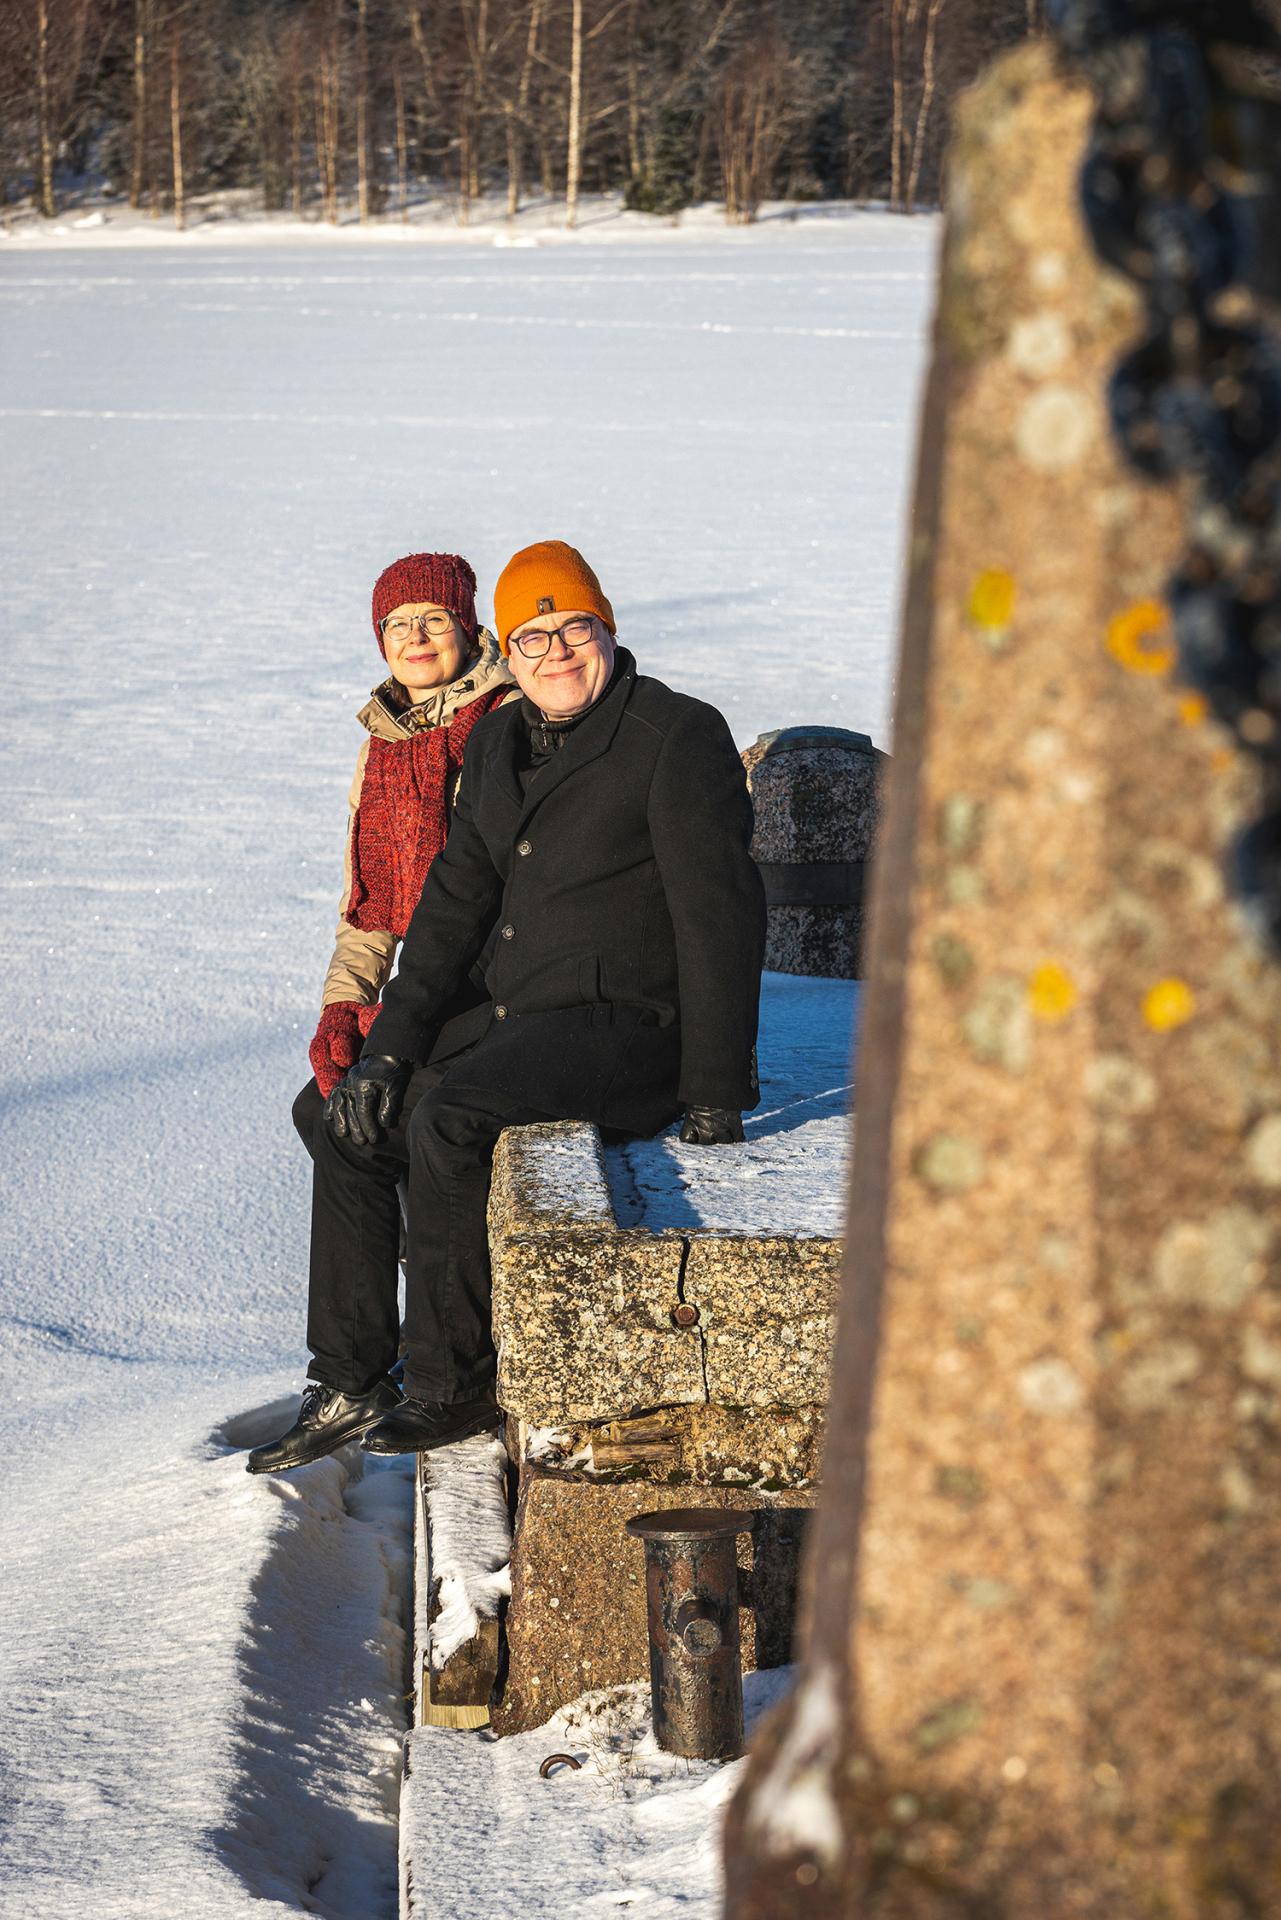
(558, 1760)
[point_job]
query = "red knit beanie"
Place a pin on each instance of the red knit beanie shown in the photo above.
(443, 578)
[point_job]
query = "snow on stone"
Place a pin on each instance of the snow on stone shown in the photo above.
(465, 1487)
(551, 1446)
(794, 1805)
(212, 449)
(571, 1174)
(789, 1176)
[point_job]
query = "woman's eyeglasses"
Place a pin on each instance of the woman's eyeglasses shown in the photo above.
(399, 626)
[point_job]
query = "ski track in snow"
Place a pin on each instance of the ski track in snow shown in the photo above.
(196, 505)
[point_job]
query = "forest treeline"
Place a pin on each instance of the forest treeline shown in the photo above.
(323, 106)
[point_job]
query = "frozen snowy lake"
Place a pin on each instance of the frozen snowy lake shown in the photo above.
(210, 453)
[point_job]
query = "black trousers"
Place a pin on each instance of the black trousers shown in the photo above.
(604, 1064)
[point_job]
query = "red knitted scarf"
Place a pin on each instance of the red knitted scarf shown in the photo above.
(403, 817)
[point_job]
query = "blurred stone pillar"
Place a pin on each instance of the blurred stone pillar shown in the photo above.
(1043, 1669)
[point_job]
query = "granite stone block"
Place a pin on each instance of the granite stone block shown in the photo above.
(767, 1311)
(816, 797)
(577, 1613)
(584, 1310)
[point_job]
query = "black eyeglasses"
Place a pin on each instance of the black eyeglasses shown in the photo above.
(533, 645)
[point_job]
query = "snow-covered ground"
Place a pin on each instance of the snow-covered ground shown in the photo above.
(632, 1830)
(210, 452)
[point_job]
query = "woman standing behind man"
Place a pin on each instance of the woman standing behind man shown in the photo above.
(446, 672)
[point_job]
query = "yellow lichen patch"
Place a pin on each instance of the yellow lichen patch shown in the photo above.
(1051, 992)
(1168, 1004)
(991, 603)
(1140, 638)
(1193, 708)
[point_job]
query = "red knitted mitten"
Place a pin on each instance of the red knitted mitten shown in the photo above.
(336, 1044)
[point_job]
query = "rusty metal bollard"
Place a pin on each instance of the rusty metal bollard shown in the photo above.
(695, 1666)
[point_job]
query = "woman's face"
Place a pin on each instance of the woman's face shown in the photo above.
(426, 646)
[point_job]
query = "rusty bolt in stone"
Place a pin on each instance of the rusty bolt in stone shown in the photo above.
(683, 1314)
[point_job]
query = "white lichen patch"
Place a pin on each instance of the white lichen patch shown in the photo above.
(1215, 1263)
(1039, 344)
(998, 1027)
(1263, 1151)
(1119, 1085)
(1152, 1380)
(1238, 1493)
(1260, 1357)
(1054, 428)
(1049, 271)
(1050, 1386)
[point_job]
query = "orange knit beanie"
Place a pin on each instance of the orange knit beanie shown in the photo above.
(548, 577)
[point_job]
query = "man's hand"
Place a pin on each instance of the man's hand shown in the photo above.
(366, 1102)
(711, 1127)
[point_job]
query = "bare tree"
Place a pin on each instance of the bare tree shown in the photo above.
(578, 119)
(574, 139)
(898, 20)
(325, 88)
(668, 99)
(175, 119)
(926, 101)
(516, 111)
(402, 145)
(362, 109)
(141, 48)
(752, 124)
(52, 44)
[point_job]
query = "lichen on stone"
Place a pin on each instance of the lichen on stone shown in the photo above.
(1214, 1263)
(953, 959)
(1050, 1386)
(1151, 1382)
(963, 1484)
(946, 1723)
(950, 1163)
(998, 1027)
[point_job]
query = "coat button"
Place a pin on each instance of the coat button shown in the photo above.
(500, 1013)
(509, 931)
(523, 848)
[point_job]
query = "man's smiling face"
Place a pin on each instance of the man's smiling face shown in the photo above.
(562, 661)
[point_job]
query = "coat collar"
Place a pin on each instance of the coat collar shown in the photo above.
(586, 742)
(384, 716)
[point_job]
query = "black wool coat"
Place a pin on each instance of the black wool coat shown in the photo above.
(621, 878)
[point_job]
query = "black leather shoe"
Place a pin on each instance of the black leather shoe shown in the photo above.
(417, 1426)
(327, 1419)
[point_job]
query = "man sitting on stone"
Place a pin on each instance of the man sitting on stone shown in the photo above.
(602, 827)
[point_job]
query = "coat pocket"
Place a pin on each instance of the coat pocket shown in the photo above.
(591, 980)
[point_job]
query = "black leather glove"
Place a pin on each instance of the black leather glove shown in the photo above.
(711, 1127)
(366, 1102)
